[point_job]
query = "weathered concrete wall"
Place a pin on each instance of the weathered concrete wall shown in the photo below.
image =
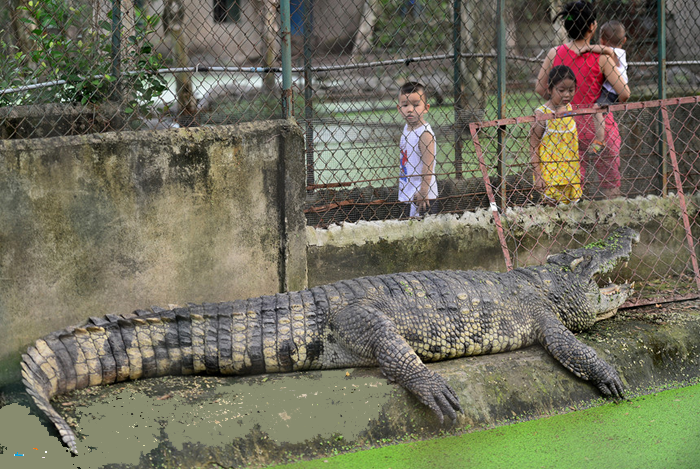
(108, 223)
(470, 241)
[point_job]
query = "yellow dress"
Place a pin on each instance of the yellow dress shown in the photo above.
(559, 160)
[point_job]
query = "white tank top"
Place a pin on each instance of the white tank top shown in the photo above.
(412, 165)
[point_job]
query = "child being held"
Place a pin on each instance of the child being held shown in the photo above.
(554, 143)
(612, 38)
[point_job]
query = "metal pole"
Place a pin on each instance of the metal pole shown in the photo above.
(116, 48)
(286, 39)
(457, 49)
(661, 72)
(681, 196)
(473, 128)
(308, 91)
(501, 95)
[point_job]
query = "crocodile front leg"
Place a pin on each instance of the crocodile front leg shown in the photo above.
(365, 330)
(576, 356)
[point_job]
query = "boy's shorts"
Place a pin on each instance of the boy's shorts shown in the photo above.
(607, 97)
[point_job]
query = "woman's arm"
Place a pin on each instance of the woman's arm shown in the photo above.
(612, 75)
(597, 49)
(541, 87)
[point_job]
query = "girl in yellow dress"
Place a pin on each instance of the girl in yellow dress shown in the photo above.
(554, 143)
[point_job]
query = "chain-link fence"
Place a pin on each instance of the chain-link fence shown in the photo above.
(83, 66)
(508, 183)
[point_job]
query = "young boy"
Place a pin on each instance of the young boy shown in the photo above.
(612, 38)
(417, 184)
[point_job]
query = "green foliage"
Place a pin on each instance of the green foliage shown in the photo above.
(9, 73)
(423, 27)
(66, 46)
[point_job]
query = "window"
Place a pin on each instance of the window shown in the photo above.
(227, 11)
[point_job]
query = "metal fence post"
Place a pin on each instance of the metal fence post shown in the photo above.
(308, 91)
(116, 48)
(286, 39)
(681, 195)
(457, 85)
(501, 95)
(661, 51)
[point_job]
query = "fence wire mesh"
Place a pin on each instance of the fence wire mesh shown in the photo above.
(518, 207)
(84, 66)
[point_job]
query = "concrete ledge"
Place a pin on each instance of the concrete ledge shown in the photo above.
(469, 241)
(192, 421)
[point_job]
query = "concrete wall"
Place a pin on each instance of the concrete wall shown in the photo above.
(111, 222)
(470, 241)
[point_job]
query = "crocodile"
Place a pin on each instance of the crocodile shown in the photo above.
(394, 321)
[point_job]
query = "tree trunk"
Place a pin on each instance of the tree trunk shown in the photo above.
(269, 31)
(21, 30)
(558, 26)
(173, 21)
(128, 48)
(362, 43)
(475, 38)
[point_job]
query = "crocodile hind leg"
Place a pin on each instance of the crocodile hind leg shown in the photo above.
(367, 332)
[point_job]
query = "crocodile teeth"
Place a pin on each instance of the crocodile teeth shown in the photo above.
(610, 290)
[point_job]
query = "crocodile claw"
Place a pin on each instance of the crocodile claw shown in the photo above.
(608, 381)
(433, 391)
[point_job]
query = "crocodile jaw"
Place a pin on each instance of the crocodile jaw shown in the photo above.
(608, 299)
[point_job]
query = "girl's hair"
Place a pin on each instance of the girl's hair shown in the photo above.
(578, 17)
(560, 73)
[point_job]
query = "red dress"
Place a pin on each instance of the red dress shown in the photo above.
(589, 82)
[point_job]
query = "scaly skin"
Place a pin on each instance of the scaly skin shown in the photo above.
(395, 321)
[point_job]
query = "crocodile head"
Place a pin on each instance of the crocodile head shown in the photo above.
(587, 265)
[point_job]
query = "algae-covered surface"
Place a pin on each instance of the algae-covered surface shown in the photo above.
(660, 430)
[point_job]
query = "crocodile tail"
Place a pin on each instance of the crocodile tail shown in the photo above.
(105, 350)
(115, 348)
(258, 335)
(41, 383)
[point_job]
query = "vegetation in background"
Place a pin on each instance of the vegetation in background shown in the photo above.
(414, 26)
(65, 46)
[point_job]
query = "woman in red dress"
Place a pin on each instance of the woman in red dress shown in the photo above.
(591, 71)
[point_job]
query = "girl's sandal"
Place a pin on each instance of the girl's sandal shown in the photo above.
(597, 147)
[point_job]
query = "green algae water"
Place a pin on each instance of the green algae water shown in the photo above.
(660, 430)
